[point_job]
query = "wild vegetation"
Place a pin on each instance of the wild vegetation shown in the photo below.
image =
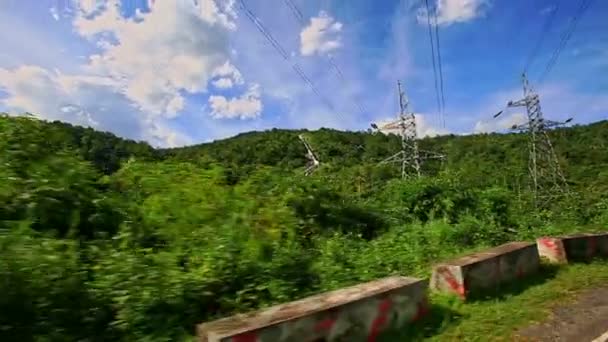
(103, 238)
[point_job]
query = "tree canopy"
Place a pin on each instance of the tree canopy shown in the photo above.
(103, 238)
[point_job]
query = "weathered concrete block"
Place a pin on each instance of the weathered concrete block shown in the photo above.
(573, 247)
(357, 313)
(486, 269)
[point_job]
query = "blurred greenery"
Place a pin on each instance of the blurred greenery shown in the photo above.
(103, 238)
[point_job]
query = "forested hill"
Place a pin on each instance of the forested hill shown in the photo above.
(494, 158)
(103, 238)
(483, 158)
(103, 149)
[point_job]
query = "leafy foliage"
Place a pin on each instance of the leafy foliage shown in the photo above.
(108, 239)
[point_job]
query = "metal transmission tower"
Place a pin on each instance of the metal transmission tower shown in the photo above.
(409, 156)
(313, 162)
(545, 172)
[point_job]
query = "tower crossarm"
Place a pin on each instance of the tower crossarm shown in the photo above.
(518, 103)
(431, 155)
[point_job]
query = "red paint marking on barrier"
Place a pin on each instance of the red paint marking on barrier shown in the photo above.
(385, 305)
(552, 245)
(383, 310)
(245, 337)
(548, 243)
(325, 324)
(451, 280)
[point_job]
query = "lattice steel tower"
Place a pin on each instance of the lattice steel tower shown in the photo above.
(546, 175)
(313, 162)
(410, 156)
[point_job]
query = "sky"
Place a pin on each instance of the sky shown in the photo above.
(182, 72)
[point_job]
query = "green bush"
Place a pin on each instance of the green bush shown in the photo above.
(44, 291)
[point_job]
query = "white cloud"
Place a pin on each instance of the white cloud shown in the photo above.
(139, 80)
(88, 7)
(82, 100)
(223, 83)
(165, 136)
(425, 129)
(52, 96)
(455, 11)
(502, 124)
(228, 75)
(175, 48)
(82, 114)
(226, 15)
(247, 106)
(321, 36)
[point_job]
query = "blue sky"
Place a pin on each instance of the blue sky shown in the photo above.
(185, 71)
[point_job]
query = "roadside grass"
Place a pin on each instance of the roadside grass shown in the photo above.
(498, 314)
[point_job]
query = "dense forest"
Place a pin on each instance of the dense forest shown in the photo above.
(103, 238)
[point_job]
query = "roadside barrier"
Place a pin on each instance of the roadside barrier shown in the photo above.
(362, 312)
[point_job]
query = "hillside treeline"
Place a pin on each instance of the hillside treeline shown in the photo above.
(103, 238)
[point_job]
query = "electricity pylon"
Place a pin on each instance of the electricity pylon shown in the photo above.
(546, 175)
(313, 162)
(410, 156)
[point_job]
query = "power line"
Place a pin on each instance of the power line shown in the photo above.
(307, 80)
(428, 16)
(295, 10)
(541, 38)
(264, 32)
(277, 46)
(440, 67)
(565, 38)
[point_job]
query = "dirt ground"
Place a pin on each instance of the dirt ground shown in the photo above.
(583, 320)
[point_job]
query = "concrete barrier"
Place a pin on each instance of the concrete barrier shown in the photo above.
(577, 247)
(486, 269)
(357, 313)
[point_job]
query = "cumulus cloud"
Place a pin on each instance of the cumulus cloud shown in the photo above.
(76, 99)
(53, 96)
(228, 76)
(424, 128)
(161, 134)
(155, 65)
(456, 11)
(83, 100)
(145, 66)
(247, 106)
(223, 83)
(505, 123)
(88, 7)
(321, 36)
(224, 15)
